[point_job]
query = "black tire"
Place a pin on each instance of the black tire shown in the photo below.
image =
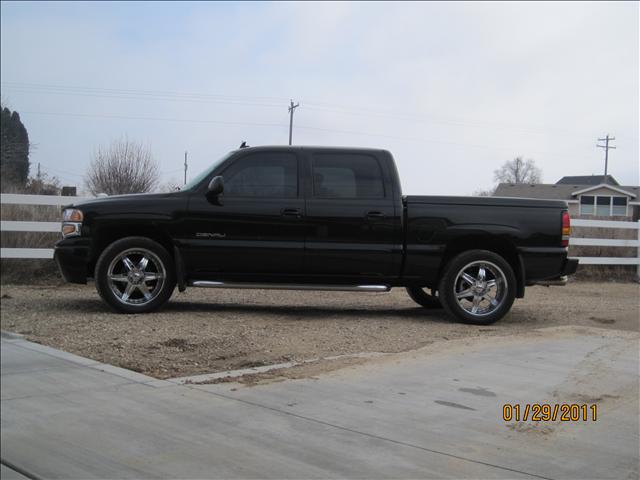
(421, 297)
(487, 310)
(130, 287)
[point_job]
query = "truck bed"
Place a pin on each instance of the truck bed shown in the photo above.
(527, 230)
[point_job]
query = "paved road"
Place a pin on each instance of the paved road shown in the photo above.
(433, 413)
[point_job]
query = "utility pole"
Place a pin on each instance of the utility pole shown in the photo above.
(38, 170)
(292, 107)
(606, 147)
(185, 167)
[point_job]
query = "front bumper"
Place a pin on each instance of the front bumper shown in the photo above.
(73, 256)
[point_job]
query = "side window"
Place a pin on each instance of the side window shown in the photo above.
(345, 175)
(263, 175)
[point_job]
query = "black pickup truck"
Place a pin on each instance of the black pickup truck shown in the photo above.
(315, 218)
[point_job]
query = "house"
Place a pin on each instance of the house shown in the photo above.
(587, 180)
(592, 196)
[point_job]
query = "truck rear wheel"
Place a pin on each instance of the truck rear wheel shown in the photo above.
(478, 286)
(135, 275)
(421, 297)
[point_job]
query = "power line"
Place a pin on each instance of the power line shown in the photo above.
(422, 118)
(411, 139)
(162, 93)
(280, 125)
(151, 98)
(419, 118)
(268, 102)
(163, 119)
(63, 172)
(255, 124)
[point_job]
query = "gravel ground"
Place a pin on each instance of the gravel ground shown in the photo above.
(205, 331)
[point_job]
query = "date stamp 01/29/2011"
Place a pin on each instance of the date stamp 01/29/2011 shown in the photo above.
(545, 412)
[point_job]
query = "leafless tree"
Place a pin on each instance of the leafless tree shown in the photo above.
(125, 166)
(518, 170)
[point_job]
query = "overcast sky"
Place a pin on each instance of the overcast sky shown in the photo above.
(453, 90)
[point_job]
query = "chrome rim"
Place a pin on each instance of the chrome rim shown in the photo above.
(480, 288)
(136, 276)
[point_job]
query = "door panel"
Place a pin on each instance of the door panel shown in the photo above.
(354, 229)
(255, 227)
(344, 240)
(243, 236)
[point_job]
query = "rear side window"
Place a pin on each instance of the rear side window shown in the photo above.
(344, 175)
(263, 175)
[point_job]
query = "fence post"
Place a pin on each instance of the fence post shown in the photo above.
(638, 267)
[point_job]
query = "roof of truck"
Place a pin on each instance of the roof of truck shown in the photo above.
(312, 147)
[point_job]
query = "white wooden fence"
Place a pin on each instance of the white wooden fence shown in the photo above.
(608, 242)
(25, 226)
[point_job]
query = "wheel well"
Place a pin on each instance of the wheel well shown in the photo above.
(501, 246)
(106, 237)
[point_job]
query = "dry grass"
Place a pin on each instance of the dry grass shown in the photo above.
(204, 331)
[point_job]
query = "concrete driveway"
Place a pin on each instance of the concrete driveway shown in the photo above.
(431, 413)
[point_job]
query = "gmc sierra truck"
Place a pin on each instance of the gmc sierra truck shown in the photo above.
(315, 218)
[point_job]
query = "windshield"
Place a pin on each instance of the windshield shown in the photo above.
(204, 174)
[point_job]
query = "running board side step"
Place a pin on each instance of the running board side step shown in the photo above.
(291, 286)
(555, 282)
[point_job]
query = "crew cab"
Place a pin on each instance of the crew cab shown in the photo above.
(315, 218)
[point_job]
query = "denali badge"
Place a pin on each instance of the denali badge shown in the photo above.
(210, 235)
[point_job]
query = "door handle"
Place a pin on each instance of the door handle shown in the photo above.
(291, 212)
(375, 215)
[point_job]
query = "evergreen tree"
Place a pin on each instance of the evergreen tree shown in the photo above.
(14, 150)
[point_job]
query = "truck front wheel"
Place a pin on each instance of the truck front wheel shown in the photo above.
(478, 286)
(135, 275)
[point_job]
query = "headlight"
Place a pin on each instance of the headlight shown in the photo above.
(72, 215)
(71, 222)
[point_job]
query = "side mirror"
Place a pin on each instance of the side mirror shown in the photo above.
(216, 186)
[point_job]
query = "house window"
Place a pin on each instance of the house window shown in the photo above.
(619, 206)
(603, 206)
(586, 204)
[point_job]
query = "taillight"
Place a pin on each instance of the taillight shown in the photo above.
(566, 229)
